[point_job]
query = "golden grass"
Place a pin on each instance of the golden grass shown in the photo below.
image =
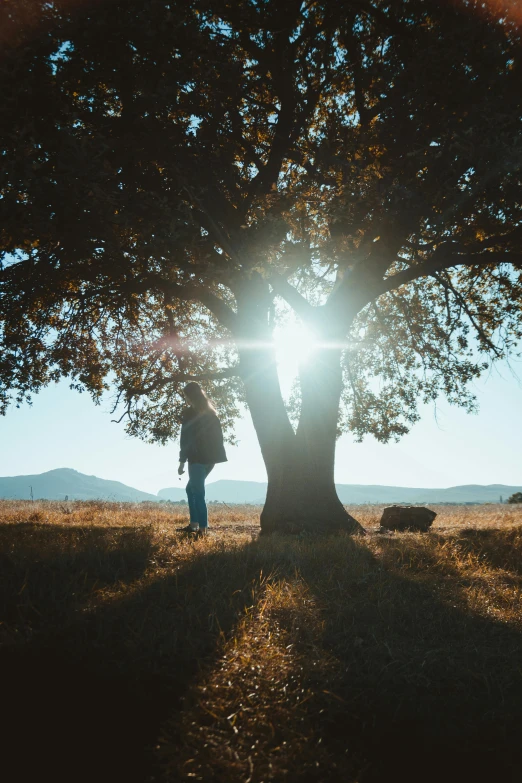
(295, 659)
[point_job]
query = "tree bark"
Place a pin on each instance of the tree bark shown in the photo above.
(301, 494)
(265, 402)
(303, 497)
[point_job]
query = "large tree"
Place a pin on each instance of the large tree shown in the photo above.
(174, 171)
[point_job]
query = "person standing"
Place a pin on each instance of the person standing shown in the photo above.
(201, 445)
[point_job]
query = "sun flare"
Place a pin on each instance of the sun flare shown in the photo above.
(295, 345)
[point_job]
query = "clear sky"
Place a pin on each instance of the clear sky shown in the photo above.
(447, 447)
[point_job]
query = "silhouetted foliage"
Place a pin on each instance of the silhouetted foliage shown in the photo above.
(515, 498)
(175, 171)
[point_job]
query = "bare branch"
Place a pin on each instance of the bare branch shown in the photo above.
(125, 413)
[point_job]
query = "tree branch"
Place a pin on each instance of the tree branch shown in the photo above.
(228, 372)
(292, 296)
(392, 24)
(433, 266)
(211, 226)
(125, 413)
(283, 68)
(224, 314)
(189, 291)
(359, 77)
(448, 286)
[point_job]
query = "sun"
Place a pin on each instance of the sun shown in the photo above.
(294, 345)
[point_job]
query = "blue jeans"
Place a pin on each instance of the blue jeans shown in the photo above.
(196, 493)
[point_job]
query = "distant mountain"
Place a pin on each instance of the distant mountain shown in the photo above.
(223, 491)
(56, 484)
(466, 493)
(255, 492)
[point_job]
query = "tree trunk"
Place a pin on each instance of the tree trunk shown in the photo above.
(265, 402)
(301, 495)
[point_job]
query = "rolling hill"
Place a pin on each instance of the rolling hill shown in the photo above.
(224, 491)
(62, 482)
(255, 492)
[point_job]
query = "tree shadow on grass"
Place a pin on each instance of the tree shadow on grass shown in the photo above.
(419, 688)
(48, 572)
(496, 547)
(422, 688)
(66, 715)
(86, 687)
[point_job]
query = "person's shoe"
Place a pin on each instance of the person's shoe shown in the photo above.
(189, 529)
(203, 531)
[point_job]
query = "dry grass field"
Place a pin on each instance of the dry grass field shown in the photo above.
(130, 652)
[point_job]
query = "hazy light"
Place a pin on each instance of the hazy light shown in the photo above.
(294, 345)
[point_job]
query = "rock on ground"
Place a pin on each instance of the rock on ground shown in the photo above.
(407, 518)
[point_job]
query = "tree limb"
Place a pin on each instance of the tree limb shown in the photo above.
(282, 288)
(433, 266)
(211, 225)
(448, 286)
(228, 372)
(359, 77)
(224, 314)
(188, 291)
(283, 68)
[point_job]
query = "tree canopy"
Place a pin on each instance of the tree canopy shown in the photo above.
(164, 162)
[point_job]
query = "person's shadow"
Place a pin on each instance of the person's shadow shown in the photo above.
(87, 690)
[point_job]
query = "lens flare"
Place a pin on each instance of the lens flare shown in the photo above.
(294, 345)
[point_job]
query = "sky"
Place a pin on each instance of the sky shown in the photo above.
(447, 447)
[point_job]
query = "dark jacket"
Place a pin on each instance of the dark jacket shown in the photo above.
(201, 438)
